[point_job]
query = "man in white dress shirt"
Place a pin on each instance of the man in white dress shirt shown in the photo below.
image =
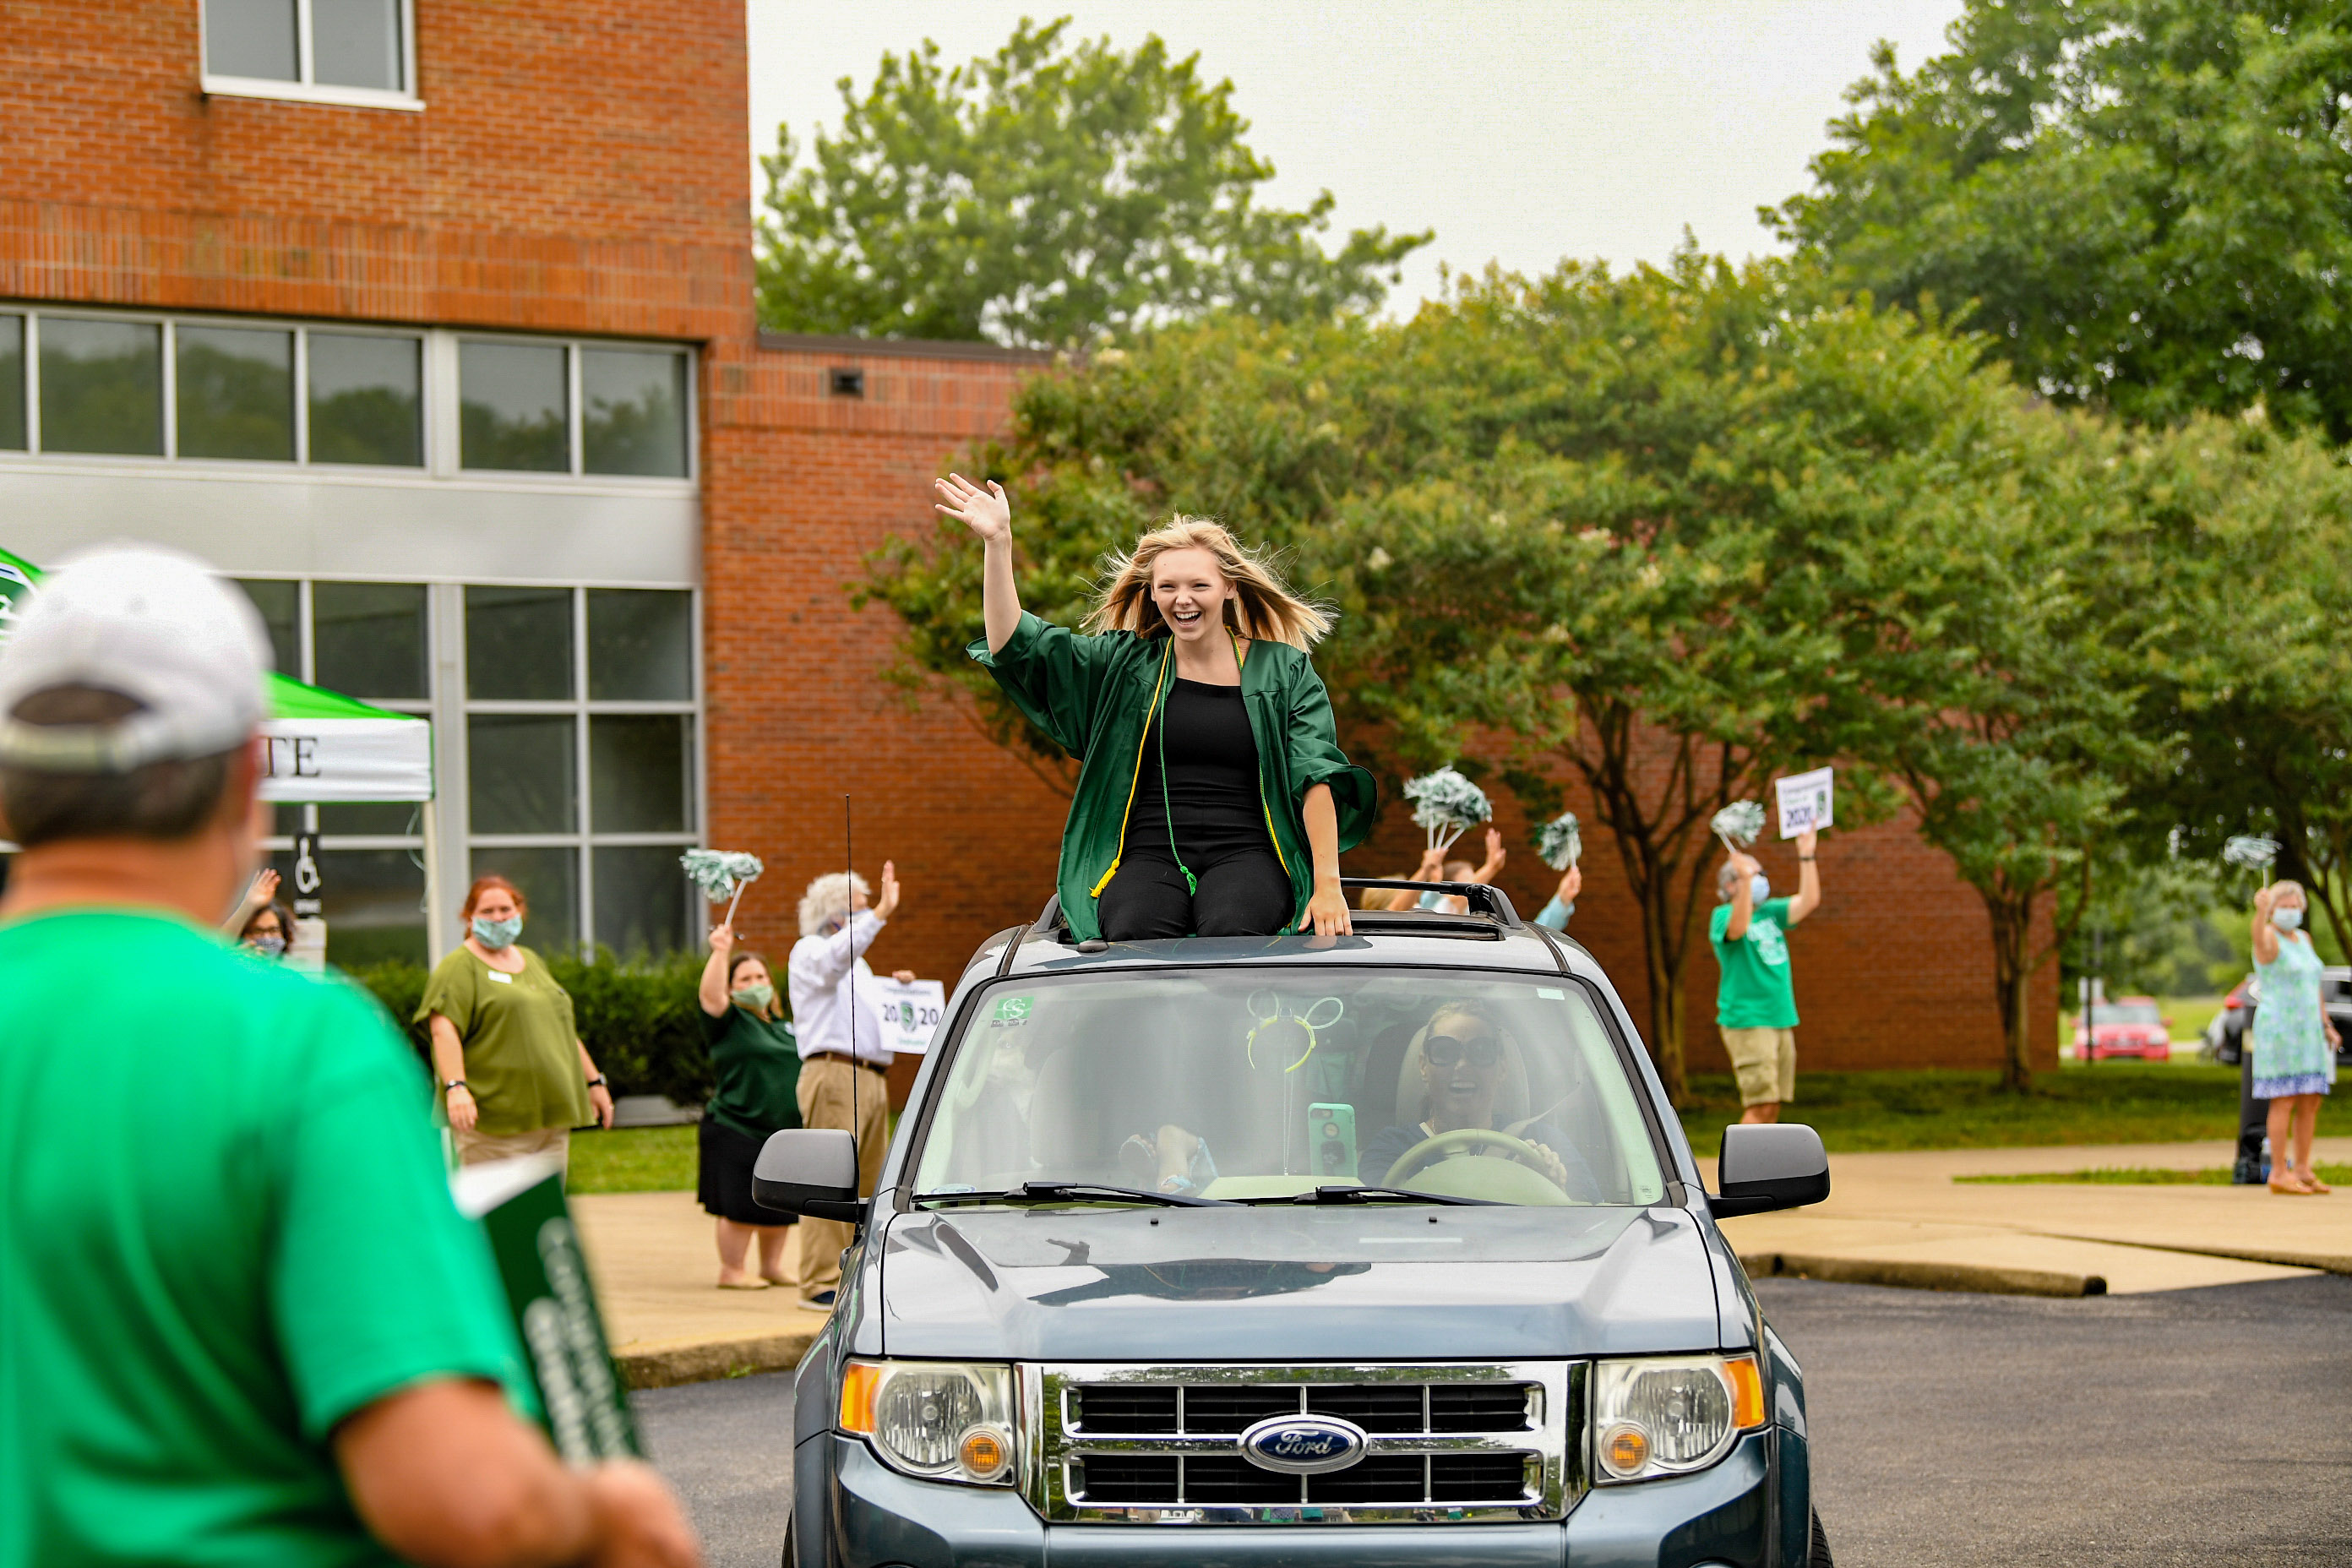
(844, 1051)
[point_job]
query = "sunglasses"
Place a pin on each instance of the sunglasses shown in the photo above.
(1445, 1051)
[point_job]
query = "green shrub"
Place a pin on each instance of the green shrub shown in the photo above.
(640, 1018)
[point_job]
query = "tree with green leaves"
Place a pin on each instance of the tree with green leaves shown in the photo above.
(2144, 204)
(1051, 196)
(2252, 677)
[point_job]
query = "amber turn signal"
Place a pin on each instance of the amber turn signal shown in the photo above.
(858, 1383)
(1626, 1449)
(983, 1453)
(1746, 1392)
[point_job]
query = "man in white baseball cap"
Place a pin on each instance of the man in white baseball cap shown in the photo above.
(244, 1321)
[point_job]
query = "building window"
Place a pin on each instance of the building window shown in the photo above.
(213, 389)
(580, 743)
(357, 52)
(535, 406)
(577, 730)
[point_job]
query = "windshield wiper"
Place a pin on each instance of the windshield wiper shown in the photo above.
(1338, 1195)
(1047, 1190)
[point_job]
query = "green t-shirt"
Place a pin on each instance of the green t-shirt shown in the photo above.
(522, 1050)
(225, 1226)
(1755, 992)
(758, 1066)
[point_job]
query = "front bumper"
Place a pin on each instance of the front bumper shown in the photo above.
(869, 1516)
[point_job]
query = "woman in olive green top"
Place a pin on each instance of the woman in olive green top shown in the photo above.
(757, 1061)
(506, 1054)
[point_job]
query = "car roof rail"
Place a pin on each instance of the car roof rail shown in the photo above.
(1496, 903)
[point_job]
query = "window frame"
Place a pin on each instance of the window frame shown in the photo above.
(575, 412)
(445, 819)
(440, 392)
(304, 90)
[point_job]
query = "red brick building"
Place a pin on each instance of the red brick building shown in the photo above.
(432, 322)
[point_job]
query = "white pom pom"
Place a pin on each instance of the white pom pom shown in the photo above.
(719, 872)
(1739, 822)
(2251, 850)
(1560, 845)
(1447, 805)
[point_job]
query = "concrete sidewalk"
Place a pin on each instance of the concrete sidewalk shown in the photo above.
(1902, 1219)
(1892, 1219)
(656, 1261)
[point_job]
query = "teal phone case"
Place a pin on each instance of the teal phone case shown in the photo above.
(1331, 1141)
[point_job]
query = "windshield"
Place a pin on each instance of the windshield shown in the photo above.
(2127, 1013)
(1266, 1084)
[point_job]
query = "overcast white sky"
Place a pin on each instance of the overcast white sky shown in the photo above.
(1520, 130)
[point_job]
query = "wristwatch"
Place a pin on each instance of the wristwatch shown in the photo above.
(449, 1084)
(597, 1083)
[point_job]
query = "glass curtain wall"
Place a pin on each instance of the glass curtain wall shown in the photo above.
(576, 730)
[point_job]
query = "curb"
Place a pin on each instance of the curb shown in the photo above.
(1918, 1275)
(666, 1363)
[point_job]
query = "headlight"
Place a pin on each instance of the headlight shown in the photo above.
(945, 1420)
(1664, 1417)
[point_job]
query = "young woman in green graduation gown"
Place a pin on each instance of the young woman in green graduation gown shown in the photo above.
(1213, 797)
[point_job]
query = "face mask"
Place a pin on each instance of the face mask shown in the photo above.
(2287, 919)
(497, 934)
(267, 946)
(756, 996)
(1759, 889)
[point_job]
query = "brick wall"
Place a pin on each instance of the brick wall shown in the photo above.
(580, 167)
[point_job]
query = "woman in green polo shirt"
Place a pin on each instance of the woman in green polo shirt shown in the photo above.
(514, 1072)
(1213, 797)
(757, 1062)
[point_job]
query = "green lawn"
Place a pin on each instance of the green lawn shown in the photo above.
(2113, 1102)
(633, 1160)
(2150, 1176)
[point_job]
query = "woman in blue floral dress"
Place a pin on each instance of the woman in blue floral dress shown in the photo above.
(2294, 1043)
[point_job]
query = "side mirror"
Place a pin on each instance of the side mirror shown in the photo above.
(1766, 1166)
(809, 1171)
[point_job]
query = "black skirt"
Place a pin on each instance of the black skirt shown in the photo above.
(724, 1181)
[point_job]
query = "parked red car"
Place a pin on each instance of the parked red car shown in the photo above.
(2126, 1027)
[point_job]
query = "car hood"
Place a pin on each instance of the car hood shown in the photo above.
(1319, 1284)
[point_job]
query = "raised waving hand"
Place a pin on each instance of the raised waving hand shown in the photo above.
(988, 512)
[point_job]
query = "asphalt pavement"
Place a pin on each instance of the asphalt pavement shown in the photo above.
(2176, 1427)
(2179, 1427)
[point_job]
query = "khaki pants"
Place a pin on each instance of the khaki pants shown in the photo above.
(1766, 1063)
(479, 1148)
(824, 1097)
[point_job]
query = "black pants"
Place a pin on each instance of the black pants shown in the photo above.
(1245, 893)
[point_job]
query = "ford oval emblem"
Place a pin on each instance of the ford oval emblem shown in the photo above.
(1303, 1445)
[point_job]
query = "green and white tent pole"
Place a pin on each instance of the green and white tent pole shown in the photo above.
(321, 746)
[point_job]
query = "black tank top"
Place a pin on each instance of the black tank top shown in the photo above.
(1212, 779)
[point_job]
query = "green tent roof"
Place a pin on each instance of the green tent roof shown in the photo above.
(288, 698)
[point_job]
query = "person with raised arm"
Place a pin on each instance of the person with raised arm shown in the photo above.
(1213, 796)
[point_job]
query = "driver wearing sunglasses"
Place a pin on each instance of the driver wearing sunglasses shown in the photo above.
(1463, 1068)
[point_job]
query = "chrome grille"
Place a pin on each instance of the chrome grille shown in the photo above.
(1156, 1445)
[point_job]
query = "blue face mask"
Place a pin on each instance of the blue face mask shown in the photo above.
(271, 946)
(497, 934)
(1759, 889)
(2287, 919)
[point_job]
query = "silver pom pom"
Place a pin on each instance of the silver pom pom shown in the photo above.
(1560, 845)
(1739, 824)
(1446, 806)
(719, 872)
(2251, 851)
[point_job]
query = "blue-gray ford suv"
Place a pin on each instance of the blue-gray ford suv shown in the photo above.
(1375, 1249)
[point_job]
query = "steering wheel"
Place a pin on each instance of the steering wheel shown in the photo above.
(1463, 1141)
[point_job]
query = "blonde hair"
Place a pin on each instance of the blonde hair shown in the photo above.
(1263, 608)
(826, 903)
(2285, 885)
